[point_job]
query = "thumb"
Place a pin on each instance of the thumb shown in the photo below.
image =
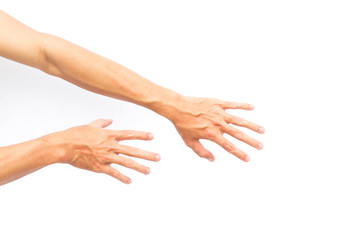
(199, 149)
(101, 123)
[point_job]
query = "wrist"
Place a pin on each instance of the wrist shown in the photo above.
(58, 152)
(167, 104)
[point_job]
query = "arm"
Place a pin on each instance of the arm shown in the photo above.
(194, 118)
(88, 147)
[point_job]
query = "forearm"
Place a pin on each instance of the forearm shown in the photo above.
(21, 159)
(19, 42)
(79, 66)
(98, 74)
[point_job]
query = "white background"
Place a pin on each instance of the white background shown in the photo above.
(296, 61)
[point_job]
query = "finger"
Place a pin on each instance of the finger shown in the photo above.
(116, 174)
(131, 134)
(130, 163)
(244, 123)
(199, 149)
(136, 152)
(231, 148)
(101, 123)
(242, 137)
(235, 105)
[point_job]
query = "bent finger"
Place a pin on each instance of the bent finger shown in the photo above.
(116, 174)
(231, 148)
(199, 149)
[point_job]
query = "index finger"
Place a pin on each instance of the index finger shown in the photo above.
(131, 135)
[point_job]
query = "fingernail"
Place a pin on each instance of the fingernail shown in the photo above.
(157, 157)
(260, 146)
(261, 129)
(147, 171)
(247, 158)
(210, 159)
(151, 136)
(129, 181)
(251, 106)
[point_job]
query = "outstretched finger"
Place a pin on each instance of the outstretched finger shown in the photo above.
(242, 137)
(130, 163)
(101, 123)
(131, 135)
(116, 174)
(244, 123)
(199, 149)
(136, 152)
(231, 148)
(236, 105)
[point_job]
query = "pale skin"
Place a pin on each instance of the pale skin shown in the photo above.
(92, 147)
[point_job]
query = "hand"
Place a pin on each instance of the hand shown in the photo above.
(204, 118)
(93, 148)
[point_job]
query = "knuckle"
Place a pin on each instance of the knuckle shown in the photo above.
(119, 135)
(189, 141)
(97, 167)
(225, 127)
(228, 104)
(201, 153)
(218, 122)
(109, 148)
(189, 144)
(210, 133)
(198, 151)
(127, 162)
(239, 135)
(217, 102)
(231, 119)
(229, 147)
(114, 173)
(131, 151)
(239, 121)
(103, 159)
(109, 136)
(124, 134)
(130, 134)
(135, 152)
